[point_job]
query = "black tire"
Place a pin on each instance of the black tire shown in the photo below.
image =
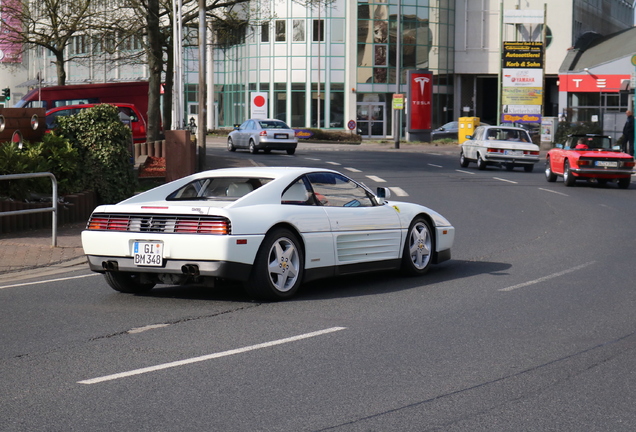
(624, 182)
(291, 151)
(549, 175)
(568, 177)
(230, 145)
(419, 246)
(278, 268)
(463, 162)
(528, 168)
(127, 283)
(481, 164)
(252, 147)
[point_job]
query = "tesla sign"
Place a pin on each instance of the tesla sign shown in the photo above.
(420, 100)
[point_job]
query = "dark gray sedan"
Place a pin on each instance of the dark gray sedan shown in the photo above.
(263, 134)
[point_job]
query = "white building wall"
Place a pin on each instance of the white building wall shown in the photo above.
(479, 33)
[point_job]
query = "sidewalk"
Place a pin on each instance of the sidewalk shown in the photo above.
(28, 254)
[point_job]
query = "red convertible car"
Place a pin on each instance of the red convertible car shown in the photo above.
(589, 157)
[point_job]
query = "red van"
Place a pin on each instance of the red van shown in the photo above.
(133, 92)
(128, 113)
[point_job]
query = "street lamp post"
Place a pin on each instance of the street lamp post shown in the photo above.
(398, 73)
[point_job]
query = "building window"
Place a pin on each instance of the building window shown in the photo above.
(379, 58)
(319, 30)
(298, 31)
(280, 30)
(265, 32)
(79, 45)
(298, 97)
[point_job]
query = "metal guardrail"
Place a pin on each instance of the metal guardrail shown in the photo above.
(52, 209)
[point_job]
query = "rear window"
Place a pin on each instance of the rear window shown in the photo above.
(217, 188)
(273, 124)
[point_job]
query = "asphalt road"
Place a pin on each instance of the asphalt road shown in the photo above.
(529, 327)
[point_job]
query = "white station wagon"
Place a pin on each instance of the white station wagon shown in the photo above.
(505, 146)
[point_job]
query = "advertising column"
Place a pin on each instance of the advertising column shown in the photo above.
(420, 96)
(522, 82)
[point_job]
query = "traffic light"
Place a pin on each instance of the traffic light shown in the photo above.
(6, 92)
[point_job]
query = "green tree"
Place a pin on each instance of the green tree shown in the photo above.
(103, 143)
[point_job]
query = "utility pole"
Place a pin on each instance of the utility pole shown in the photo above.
(202, 127)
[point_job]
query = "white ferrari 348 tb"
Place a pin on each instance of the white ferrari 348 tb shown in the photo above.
(271, 228)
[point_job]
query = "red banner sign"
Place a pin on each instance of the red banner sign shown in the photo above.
(591, 83)
(420, 100)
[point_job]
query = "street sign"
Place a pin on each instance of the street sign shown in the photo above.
(398, 101)
(351, 125)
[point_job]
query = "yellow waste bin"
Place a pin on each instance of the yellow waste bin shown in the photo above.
(467, 126)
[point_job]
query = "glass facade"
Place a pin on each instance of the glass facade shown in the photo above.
(321, 68)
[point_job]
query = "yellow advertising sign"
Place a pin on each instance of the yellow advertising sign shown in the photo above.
(520, 118)
(522, 96)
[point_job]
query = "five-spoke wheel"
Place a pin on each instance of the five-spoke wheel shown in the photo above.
(279, 266)
(417, 256)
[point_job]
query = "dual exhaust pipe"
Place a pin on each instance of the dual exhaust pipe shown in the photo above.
(190, 269)
(111, 266)
(186, 269)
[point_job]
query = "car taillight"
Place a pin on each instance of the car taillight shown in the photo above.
(629, 164)
(201, 227)
(584, 162)
(263, 133)
(528, 152)
(495, 150)
(102, 223)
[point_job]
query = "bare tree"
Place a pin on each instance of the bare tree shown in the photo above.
(50, 24)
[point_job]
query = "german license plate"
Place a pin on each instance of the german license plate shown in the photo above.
(281, 136)
(513, 152)
(148, 254)
(612, 164)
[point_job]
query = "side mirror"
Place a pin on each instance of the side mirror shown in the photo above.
(616, 147)
(559, 146)
(469, 137)
(382, 194)
(236, 126)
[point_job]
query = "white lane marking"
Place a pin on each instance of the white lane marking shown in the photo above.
(465, 172)
(209, 356)
(333, 163)
(48, 280)
(504, 180)
(146, 328)
(312, 159)
(436, 166)
(353, 169)
(376, 179)
(554, 192)
(545, 278)
(398, 191)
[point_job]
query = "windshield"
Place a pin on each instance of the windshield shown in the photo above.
(589, 142)
(217, 188)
